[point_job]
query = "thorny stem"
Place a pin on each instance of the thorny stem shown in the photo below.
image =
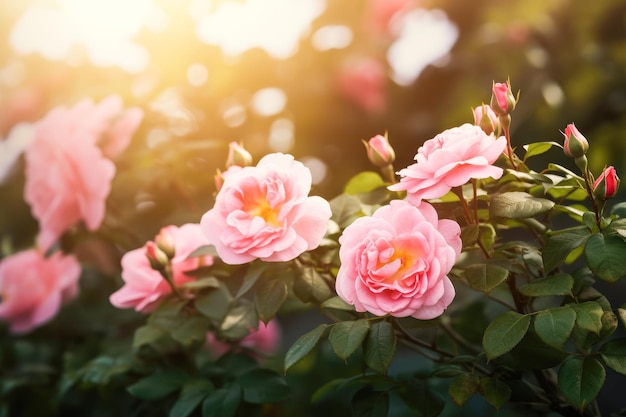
(466, 210)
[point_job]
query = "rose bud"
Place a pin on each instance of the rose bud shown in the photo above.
(502, 99)
(575, 144)
(238, 155)
(486, 119)
(379, 151)
(157, 258)
(606, 185)
(165, 241)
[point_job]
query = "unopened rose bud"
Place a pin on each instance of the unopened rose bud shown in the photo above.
(502, 99)
(575, 144)
(606, 185)
(157, 258)
(379, 151)
(219, 180)
(486, 119)
(238, 156)
(165, 241)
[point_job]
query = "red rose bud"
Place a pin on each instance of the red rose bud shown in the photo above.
(238, 155)
(486, 119)
(575, 144)
(165, 241)
(606, 185)
(157, 258)
(502, 99)
(379, 151)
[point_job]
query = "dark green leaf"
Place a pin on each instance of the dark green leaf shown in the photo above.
(269, 298)
(558, 284)
(518, 205)
(605, 256)
(261, 386)
(254, 271)
(554, 325)
(310, 286)
(364, 182)
(147, 334)
(580, 380)
(537, 148)
(346, 336)
(485, 277)
(158, 385)
(533, 353)
(558, 247)
(421, 399)
(463, 387)
(380, 346)
(192, 329)
(337, 303)
(494, 391)
(345, 209)
(222, 402)
(370, 403)
(303, 346)
(469, 235)
(504, 332)
(614, 355)
(191, 396)
(214, 303)
(238, 322)
(588, 316)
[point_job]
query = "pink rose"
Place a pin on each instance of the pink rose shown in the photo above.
(379, 151)
(606, 185)
(364, 82)
(33, 287)
(265, 212)
(396, 261)
(502, 98)
(264, 340)
(575, 143)
(486, 119)
(144, 287)
(451, 159)
(68, 177)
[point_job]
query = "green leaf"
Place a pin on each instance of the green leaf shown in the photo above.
(380, 346)
(345, 209)
(537, 148)
(303, 346)
(202, 283)
(370, 403)
(191, 396)
(254, 271)
(614, 355)
(554, 325)
(337, 303)
(214, 303)
(494, 391)
(487, 235)
(261, 386)
(485, 277)
(421, 399)
(192, 329)
(364, 182)
(222, 402)
(202, 251)
(518, 205)
(558, 247)
(622, 315)
(463, 387)
(238, 322)
(158, 385)
(147, 334)
(310, 286)
(558, 284)
(504, 332)
(469, 235)
(588, 316)
(346, 336)
(580, 380)
(605, 256)
(269, 298)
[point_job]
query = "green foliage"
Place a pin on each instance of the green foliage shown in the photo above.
(463, 387)
(614, 355)
(554, 325)
(303, 346)
(558, 284)
(605, 256)
(485, 277)
(559, 246)
(504, 332)
(580, 380)
(518, 205)
(347, 336)
(191, 395)
(380, 346)
(159, 384)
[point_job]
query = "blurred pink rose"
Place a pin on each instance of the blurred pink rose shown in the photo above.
(265, 340)
(486, 119)
(32, 287)
(144, 287)
(364, 82)
(396, 261)
(451, 159)
(265, 212)
(381, 13)
(68, 177)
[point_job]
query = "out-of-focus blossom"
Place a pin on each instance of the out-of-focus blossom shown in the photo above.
(449, 160)
(68, 176)
(264, 340)
(12, 147)
(363, 81)
(486, 119)
(606, 185)
(144, 287)
(238, 155)
(379, 151)
(380, 14)
(33, 287)
(575, 143)
(265, 212)
(396, 261)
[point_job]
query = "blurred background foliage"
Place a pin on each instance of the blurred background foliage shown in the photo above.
(327, 75)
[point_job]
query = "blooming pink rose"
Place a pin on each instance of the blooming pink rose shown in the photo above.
(144, 287)
(32, 287)
(265, 212)
(396, 261)
(264, 340)
(451, 159)
(364, 82)
(68, 178)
